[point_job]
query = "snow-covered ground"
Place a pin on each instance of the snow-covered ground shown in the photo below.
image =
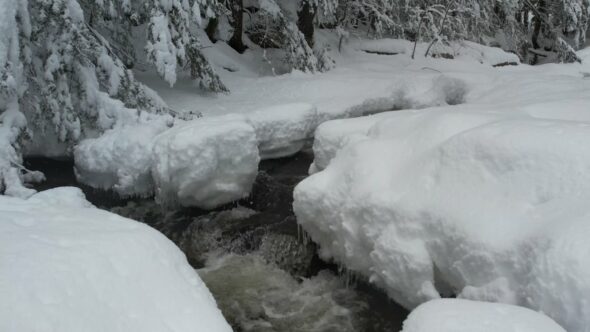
(487, 199)
(450, 315)
(68, 266)
(360, 83)
(284, 110)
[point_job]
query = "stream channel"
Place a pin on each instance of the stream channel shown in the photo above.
(252, 256)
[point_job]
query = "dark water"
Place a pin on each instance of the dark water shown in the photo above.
(251, 256)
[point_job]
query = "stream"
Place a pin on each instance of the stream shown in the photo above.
(252, 256)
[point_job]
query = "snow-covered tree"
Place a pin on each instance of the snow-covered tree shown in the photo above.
(270, 26)
(170, 42)
(61, 81)
(13, 54)
(573, 17)
(557, 21)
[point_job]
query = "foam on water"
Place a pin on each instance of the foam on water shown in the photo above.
(256, 296)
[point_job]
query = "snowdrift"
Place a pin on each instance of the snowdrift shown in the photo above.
(487, 205)
(470, 316)
(67, 266)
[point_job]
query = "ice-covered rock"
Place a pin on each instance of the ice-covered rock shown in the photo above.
(451, 315)
(67, 266)
(283, 130)
(120, 159)
(206, 162)
(490, 205)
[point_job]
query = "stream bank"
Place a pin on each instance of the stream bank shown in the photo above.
(252, 257)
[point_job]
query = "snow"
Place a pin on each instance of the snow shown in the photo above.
(12, 121)
(206, 162)
(486, 200)
(120, 159)
(285, 110)
(461, 50)
(67, 266)
(469, 316)
(332, 136)
(361, 83)
(283, 130)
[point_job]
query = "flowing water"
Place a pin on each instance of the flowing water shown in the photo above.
(252, 258)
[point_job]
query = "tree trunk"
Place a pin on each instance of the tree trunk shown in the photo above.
(237, 12)
(537, 24)
(305, 19)
(211, 29)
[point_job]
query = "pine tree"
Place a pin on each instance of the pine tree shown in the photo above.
(271, 27)
(61, 79)
(15, 26)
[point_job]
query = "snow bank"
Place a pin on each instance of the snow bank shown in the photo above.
(206, 162)
(484, 54)
(283, 130)
(332, 136)
(463, 50)
(120, 159)
(469, 316)
(67, 266)
(489, 205)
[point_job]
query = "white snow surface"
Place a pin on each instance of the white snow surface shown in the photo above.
(487, 199)
(463, 50)
(121, 159)
(452, 315)
(67, 266)
(206, 162)
(284, 110)
(215, 165)
(283, 130)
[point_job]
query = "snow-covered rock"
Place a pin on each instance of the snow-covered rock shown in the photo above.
(67, 266)
(206, 162)
(213, 160)
(120, 159)
(448, 315)
(490, 205)
(283, 130)
(331, 136)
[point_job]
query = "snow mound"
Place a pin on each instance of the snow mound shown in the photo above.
(120, 159)
(463, 50)
(67, 266)
(283, 130)
(206, 162)
(469, 316)
(386, 46)
(331, 136)
(494, 56)
(487, 205)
